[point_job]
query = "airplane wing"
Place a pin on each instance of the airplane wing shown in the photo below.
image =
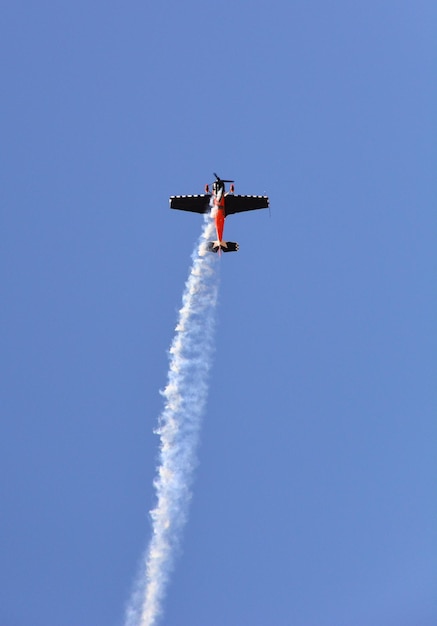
(237, 204)
(196, 204)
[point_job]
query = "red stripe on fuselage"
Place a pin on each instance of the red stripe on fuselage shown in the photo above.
(219, 204)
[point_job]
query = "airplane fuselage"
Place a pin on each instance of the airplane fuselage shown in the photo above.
(218, 211)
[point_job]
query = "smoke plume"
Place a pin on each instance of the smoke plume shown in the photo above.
(178, 427)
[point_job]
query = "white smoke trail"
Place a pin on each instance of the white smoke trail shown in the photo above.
(185, 398)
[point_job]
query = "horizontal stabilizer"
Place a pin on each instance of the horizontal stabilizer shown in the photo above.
(224, 246)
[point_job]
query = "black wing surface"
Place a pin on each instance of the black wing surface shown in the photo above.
(196, 204)
(237, 204)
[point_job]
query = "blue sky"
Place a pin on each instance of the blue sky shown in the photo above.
(314, 501)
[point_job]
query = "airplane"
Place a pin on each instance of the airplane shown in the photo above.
(223, 204)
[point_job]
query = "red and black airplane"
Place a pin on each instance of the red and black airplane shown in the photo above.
(221, 204)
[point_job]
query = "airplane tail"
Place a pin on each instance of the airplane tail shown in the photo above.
(222, 246)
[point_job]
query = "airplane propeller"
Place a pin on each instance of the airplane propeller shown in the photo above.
(222, 179)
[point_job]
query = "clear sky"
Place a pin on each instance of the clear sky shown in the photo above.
(315, 496)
